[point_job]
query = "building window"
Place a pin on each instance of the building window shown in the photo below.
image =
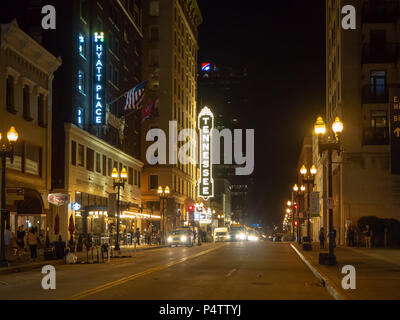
(82, 46)
(154, 8)
(378, 121)
(98, 163)
(81, 155)
(10, 94)
(32, 159)
(139, 181)
(73, 153)
(42, 115)
(81, 82)
(27, 103)
(153, 183)
(378, 83)
(89, 159)
(136, 178)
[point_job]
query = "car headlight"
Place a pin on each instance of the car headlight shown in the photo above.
(169, 239)
(251, 238)
(183, 239)
(242, 236)
(237, 236)
(228, 236)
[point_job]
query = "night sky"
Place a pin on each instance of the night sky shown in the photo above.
(282, 43)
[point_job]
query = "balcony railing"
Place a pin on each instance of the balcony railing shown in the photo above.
(380, 11)
(375, 137)
(388, 53)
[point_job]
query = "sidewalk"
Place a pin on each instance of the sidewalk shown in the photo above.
(377, 271)
(26, 264)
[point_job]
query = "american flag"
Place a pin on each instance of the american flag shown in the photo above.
(149, 111)
(134, 97)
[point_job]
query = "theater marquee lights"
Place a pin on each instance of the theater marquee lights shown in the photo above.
(99, 78)
(206, 183)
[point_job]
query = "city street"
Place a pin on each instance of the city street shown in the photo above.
(248, 271)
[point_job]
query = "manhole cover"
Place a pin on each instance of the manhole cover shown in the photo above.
(261, 283)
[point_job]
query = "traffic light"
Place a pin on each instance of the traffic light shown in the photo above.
(295, 223)
(296, 206)
(190, 210)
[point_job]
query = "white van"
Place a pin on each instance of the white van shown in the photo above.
(220, 234)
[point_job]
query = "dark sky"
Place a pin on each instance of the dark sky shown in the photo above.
(282, 43)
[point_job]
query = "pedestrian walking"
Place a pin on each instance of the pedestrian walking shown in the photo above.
(137, 236)
(350, 236)
(20, 240)
(368, 236)
(32, 242)
(322, 238)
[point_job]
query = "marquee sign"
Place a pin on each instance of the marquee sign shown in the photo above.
(99, 78)
(206, 183)
(394, 102)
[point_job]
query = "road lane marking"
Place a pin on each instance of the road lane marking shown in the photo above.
(230, 273)
(325, 282)
(138, 275)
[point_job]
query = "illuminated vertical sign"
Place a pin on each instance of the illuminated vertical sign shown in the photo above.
(99, 78)
(206, 183)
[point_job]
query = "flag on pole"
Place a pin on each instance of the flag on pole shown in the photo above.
(135, 96)
(149, 111)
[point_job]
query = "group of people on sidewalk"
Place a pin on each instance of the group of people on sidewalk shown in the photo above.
(17, 244)
(350, 237)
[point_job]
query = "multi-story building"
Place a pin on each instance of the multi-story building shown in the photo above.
(26, 73)
(170, 64)
(361, 70)
(100, 43)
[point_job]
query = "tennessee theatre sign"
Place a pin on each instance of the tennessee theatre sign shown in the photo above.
(99, 77)
(206, 183)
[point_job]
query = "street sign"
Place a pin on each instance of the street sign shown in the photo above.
(394, 100)
(314, 204)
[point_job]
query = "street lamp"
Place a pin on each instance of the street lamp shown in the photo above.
(309, 181)
(6, 151)
(119, 182)
(327, 144)
(163, 193)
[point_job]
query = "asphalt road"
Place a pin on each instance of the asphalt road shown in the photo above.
(245, 271)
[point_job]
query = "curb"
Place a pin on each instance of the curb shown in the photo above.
(38, 265)
(324, 280)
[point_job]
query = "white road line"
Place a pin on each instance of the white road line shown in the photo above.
(325, 282)
(230, 273)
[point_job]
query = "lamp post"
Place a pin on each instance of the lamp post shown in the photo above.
(330, 145)
(163, 193)
(309, 181)
(119, 180)
(6, 151)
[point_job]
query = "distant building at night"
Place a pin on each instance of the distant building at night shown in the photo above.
(100, 43)
(361, 71)
(26, 73)
(225, 90)
(170, 64)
